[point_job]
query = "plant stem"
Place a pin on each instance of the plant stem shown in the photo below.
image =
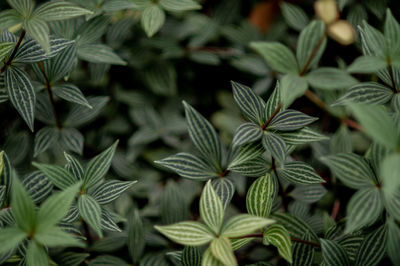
(292, 238)
(51, 97)
(14, 52)
(266, 124)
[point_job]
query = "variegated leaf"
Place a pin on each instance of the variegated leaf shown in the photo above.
(299, 173)
(278, 236)
(244, 224)
(261, 196)
(60, 177)
(246, 133)
(211, 209)
(90, 211)
(110, 190)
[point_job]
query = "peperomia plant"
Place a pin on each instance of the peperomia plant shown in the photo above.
(301, 166)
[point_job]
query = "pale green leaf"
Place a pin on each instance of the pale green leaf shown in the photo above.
(179, 5)
(367, 93)
(60, 10)
(278, 236)
(367, 64)
(221, 249)
(10, 237)
(71, 93)
(244, 224)
(329, 78)
(298, 172)
(292, 86)
(211, 209)
(261, 196)
(152, 19)
(294, 16)
(23, 208)
(36, 254)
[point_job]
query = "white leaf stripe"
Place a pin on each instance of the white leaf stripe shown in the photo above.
(99, 53)
(303, 254)
(98, 166)
(179, 5)
(308, 193)
(221, 248)
(21, 93)
(191, 256)
(44, 139)
(224, 189)
(211, 209)
(273, 102)
(261, 195)
(352, 169)
(291, 120)
(80, 115)
(60, 65)
(38, 186)
(71, 140)
(152, 19)
(71, 93)
(187, 233)
(364, 208)
(60, 10)
(60, 177)
(6, 175)
(72, 215)
(302, 136)
(368, 93)
(136, 235)
(255, 167)
(203, 135)
(296, 227)
(299, 173)
(245, 133)
(173, 206)
(274, 144)
(90, 211)
(251, 105)
(372, 248)
(244, 224)
(333, 254)
(278, 236)
(209, 260)
(351, 243)
(73, 166)
(246, 153)
(240, 242)
(188, 166)
(2, 194)
(5, 49)
(107, 222)
(110, 190)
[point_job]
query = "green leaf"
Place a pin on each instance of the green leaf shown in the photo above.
(92, 30)
(1, 162)
(329, 78)
(211, 209)
(108, 221)
(162, 79)
(261, 196)
(278, 57)
(110, 190)
(21, 93)
(352, 169)
(393, 241)
(303, 254)
(377, 124)
(311, 45)
(98, 166)
(136, 236)
(187, 233)
(367, 64)
(191, 256)
(298, 172)
(247, 133)
(90, 211)
(5, 49)
(23, 208)
(188, 166)
(274, 144)
(367, 93)
(9, 18)
(99, 53)
(364, 208)
(372, 249)
(38, 30)
(36, 255)
(38, 186)
(73, 166)
(392, 33)
(6, 176)
(44, 139)
(333, 254)
(251, 105)
(60, 10)
(209, 260)
(79, 115)
(273, 102)
(224, 189)
(56, 207)
(203, 135)
(278, 236)
(221, 249)
(179, 5)
(296, 226)
(72, 258)
(292, 87)
(2, 195)
(390, 169)
(152, 19)
(289, 120)
(71, 93)
(244, 224)
(60, 177)
(173, 205)
(308, 193)
(240, 242)
(294, 16)
(302, 136)
(245, 153)
(71, 140)
(373, 41)
(255, 167)
(24, 7)
(10, 237)
(54, 237)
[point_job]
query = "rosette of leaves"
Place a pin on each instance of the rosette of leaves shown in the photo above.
(215, 232)
(94, 192)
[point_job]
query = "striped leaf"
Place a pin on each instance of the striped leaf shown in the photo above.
(240, 242)
(261, 196)
(224, 189)
(211, 209)
(152, 19)
(9, 18)
(38, 186)
(44, 139)
(71, 93)
(5, 49)
(60, 10)
(367, 64)
(99, 53)
(24, 7)
(221, 249)
(352, 169)
(111, 261)
(108, 222)
(308, 193)
(203, 135)
(302, 136)
(303, 254)
(311, 44)
(60, 177)
(71, 140)
(273, 102)
(173, 206)
(393, 241)
(73, 166)
(278, 57)
(6, 173)
(329, 78)
(390, 169)
(162, 79)
(187, 233)
(90, 212)
(2, 195)
(80, 115)
(36, 254)
(274, 144)
(191, 256)
(72, 258)
(372, 249)
(246, 133)
(136, 236)
(278, 236)
(294, 16)
(246, 153)
(21, 93)
(188, 166)
(60, 66)
(299, 173)
(209, 260)
(251, 105)
(364, 208)
(110, 190)
(23, 207)
(244, 224)
(367, 93)
(292, 87)
(289, 120)
(98, 166)
(351, 244)
(179, 5)
(296, 227)
(39, 31)
(392, 32)
(255, 167)
(333, 254)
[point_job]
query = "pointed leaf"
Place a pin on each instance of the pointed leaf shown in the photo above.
(246, 133)
(71, 93)
(153, 18)
(221, 249)
(90, 211)
(333, 254)
(299, 173)
(274, 144)
(60, 177)
(110, 190)
(60, 10)
(244, 224)
(372, 249)
(278, 236)
(10, 237)
(261, 196)
(211, 209)
(367, 93)
(44, 139)
(291, 120)
(23, 208)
